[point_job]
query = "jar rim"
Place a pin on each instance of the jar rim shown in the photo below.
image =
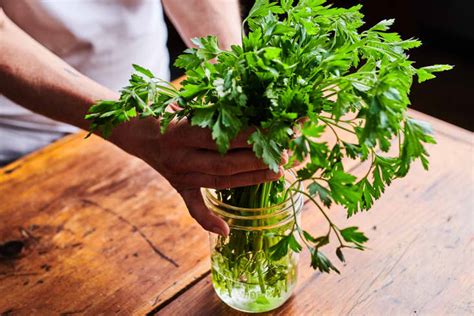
(214, 199)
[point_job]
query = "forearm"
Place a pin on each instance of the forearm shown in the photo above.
(38, 80)
(197, 18)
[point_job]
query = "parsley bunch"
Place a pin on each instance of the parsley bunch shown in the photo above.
(303, 68)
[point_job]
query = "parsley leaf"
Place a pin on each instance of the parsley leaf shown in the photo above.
(267, 149)
(304, 68)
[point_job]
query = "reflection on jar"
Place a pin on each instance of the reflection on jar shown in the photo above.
(246, 273)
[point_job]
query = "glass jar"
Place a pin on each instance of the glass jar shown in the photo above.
(245, 274)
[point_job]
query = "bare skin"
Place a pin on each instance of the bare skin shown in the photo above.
(215, 17)
(186, 156)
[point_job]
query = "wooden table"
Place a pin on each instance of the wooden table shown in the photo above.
(105, 234)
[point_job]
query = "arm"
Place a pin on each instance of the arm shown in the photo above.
(37, 79)
(186, 155)
(197, 18)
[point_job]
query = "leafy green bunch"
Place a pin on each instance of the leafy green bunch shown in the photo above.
(303, 68)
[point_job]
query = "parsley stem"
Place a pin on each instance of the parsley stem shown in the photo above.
(399, 136)
(289, 68)
(327, 96)
(331, 122)
(319, 178)
(295, 223)
(338, 140)
(331, 224)
(371, 164)
(351, 121)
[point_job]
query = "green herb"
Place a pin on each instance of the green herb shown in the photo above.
(300, 59)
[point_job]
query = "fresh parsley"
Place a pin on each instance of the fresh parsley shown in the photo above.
(300, 60)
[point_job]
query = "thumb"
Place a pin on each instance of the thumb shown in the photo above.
(198, 210)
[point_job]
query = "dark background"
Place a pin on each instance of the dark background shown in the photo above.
(447, 32)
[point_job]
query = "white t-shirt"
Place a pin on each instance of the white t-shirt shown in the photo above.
(100, 38)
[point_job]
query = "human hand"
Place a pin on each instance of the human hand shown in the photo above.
(188, 158)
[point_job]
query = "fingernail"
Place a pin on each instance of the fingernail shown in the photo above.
(218, 230)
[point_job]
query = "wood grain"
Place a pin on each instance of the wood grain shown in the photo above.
(103, 232)
(421, 245)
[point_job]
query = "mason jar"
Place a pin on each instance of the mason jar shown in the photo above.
(245, 273)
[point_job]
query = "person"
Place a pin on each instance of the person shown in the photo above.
(58, 57)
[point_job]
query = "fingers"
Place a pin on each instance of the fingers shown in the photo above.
(241, 140)
(197, 137)
(193, 180)
(198, 210)
(213, 163)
